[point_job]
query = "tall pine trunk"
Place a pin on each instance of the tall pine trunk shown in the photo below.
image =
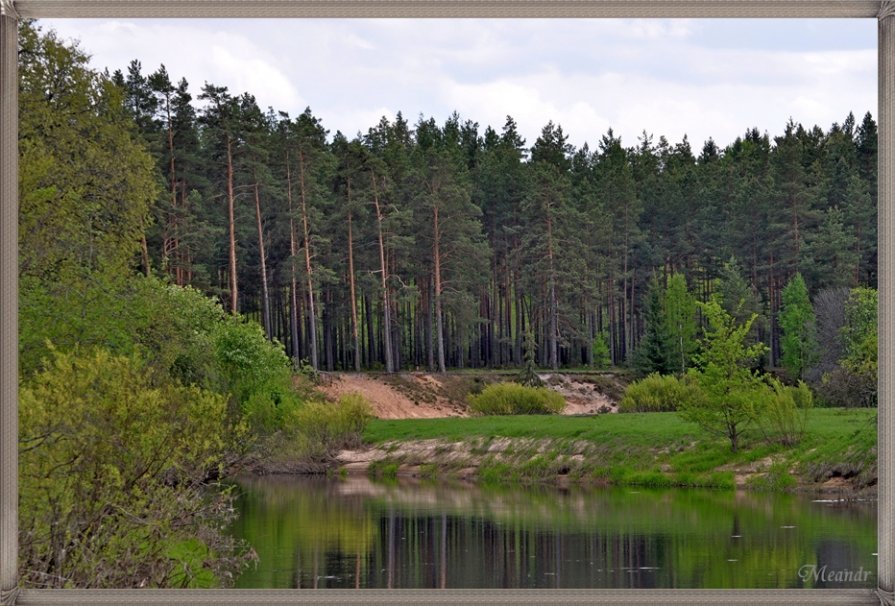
(355, 331)
(231, 201)
(293, 286)
(312, 320)
(171, 242)
(262, 253)
(436, 260)
(386, 308)
(553, 337)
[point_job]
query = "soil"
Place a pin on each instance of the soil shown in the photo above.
(390, 402)
(418, 395)
(582, 397)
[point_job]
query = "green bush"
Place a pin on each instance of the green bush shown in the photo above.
(515, 399)
(658, 393)
(316, 429)
(781, 412)
(777, 478)
(113, 458)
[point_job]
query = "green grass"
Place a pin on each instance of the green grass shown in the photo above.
(634, 428)
(650, 449)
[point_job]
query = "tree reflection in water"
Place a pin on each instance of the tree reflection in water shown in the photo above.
(354, 533)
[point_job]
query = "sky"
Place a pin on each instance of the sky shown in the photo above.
(702, 78)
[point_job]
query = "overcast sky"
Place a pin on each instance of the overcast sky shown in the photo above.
(669, 77)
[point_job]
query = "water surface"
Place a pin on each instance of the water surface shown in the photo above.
(354, 533)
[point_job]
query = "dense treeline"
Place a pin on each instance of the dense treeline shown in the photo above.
(440, 245)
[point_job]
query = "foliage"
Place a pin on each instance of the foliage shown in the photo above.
(859, 334)
(654, 351)
(457, 241)
(529, 374)
(860, 331)
(601, 357)
(85, 183)
(515, 399)
(680, 323)
(776, 478)
(799, 342)
(313, 431)
(781, 411)
(741, 300)
(660, 393)
(113, 461)
(724, 374)
(253, 368)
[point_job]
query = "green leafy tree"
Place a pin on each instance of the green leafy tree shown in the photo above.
(724, 374)
(680, 323)
(86, 183)
(860, 340)
(799, 343)
(600, 351)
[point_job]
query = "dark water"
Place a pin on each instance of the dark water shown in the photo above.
(354, 533)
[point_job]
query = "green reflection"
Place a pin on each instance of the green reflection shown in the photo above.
(354, 533)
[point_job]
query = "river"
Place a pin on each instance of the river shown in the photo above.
(314, 532)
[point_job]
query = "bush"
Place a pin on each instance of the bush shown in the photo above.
(316, 429)
(777, 478)
(659, 393)
(515, 399)
(781, 412)
(842, 388)
(113, 461)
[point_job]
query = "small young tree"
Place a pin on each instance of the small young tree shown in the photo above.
(600, 349)
(529, 375)
(725, 377)
(799, 342)
(680, 323)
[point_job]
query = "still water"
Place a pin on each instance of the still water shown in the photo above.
(354, 533)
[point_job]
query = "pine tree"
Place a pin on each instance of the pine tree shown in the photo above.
(797, 321)
(220, 119)
(654, 354)
(529, 375)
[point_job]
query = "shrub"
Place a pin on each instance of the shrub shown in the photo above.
(781, 411)
(842, 388)
(515, 399)
(777, 478)
(113, 458)
(659, 393)
(316, 429)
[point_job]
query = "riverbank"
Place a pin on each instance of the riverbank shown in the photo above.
(837, 455)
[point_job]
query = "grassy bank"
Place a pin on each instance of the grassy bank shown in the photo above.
(654, 449)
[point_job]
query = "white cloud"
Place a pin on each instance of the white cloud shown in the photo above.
(664, 77)
(192, 50)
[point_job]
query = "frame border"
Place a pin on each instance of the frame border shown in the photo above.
(12, 10)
